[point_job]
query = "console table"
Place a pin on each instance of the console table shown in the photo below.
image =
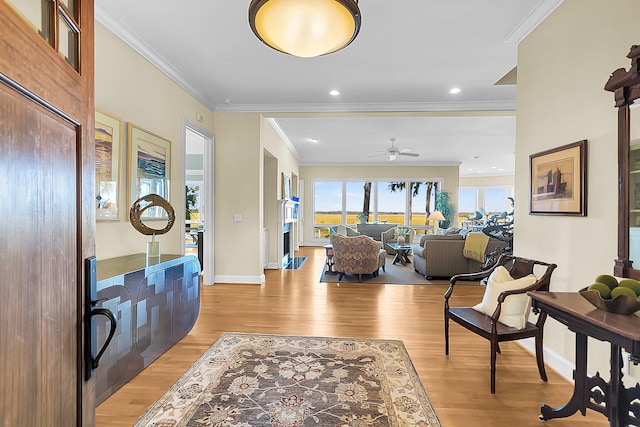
(155, 307)
(612, 398)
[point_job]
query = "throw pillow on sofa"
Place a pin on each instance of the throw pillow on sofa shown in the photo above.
(515, 308)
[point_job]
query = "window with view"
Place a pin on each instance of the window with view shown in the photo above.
(396, 202)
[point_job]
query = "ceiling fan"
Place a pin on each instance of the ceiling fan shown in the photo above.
(393, 152)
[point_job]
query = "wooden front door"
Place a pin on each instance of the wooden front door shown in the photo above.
(46, 213)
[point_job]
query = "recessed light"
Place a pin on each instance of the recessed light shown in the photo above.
(314, 140)
(454, 90)
(334, 92)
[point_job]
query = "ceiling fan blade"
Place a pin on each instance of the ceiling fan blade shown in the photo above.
(408, 154)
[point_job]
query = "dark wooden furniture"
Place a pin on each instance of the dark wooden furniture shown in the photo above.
(626, 88)
(47, 141)
(155, 307)
(623, 331)
(488, 327)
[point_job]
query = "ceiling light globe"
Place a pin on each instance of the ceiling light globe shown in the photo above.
(305, 28)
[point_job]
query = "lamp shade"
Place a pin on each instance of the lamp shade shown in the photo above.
(436, 215)
(305, 28)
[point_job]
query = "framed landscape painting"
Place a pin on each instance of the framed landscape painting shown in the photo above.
(108, 144)
(557, 182)
(286, 186)
(149, 168)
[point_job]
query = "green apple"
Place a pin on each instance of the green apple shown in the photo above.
(608, 280)
(631, 284)
(621, 290)
(604, 290)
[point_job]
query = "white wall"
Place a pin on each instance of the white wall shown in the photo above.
(450, 175)
(562, 69)
(130, 88)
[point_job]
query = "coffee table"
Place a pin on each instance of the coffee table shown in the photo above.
(402, 253)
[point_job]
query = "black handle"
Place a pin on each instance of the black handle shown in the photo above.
(90, 326)
(112, 319)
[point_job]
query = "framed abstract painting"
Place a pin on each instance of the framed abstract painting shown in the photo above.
(149, 168)
(108, 143)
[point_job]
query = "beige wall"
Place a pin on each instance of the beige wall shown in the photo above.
(449, 174)
(132, 89)
(238, 177)
(287, 163)
(562, 68)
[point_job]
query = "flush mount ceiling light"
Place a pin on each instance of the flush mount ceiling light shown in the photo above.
(305, 28)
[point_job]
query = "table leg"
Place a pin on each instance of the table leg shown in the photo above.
(580, 391)
(618, 406)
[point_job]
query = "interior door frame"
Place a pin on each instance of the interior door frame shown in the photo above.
(209, 202)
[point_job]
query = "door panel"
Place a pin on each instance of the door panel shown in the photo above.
(38, 237)
(47, 223)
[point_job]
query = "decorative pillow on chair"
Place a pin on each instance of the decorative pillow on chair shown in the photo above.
(515, 308)
(341, 230)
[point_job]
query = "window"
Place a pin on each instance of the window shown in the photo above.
(488, 200)
(327, 202)
(343, 202)
(57, 22)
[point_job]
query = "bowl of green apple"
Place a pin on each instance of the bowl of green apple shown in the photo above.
(609, 294)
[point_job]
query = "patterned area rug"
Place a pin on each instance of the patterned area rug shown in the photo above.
(249, 380)
(396, 274)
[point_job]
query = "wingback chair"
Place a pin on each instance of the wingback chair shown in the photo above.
(391, 236)
(503, 313)
(357, 255)
(343, 230)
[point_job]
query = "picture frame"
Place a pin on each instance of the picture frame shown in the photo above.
(558, 181)
(286, 187)
(149, 159)
(108, 147)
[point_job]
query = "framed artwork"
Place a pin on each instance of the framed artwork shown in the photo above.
(149, 168)
(286, 187)
(557, 183)
(108, 143)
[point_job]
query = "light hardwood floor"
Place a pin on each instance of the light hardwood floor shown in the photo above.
(294, 302)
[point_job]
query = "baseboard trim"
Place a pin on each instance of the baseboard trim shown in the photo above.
(258, 280)
(552, 359)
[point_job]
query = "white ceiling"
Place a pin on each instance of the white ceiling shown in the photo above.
(407, 56)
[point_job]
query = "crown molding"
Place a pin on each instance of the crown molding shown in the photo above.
(138, 45)
(532, 20)
(134, 42)
(276, 126)
(373, 107)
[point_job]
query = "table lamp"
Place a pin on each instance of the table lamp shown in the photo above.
(436, 217)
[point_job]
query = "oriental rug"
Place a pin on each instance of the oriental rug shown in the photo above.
(246, 380)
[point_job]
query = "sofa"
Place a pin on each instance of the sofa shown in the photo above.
(442, 255)
(374, 230)
(357, 255)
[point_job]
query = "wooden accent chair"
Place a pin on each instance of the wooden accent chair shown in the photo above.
(487, 325)
(357, 255)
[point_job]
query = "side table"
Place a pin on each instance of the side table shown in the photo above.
(329, 263)
(612, 399)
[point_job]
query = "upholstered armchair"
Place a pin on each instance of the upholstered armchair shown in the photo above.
(391, 236)
(357, 255)
(343, 230)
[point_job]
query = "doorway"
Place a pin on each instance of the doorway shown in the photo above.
(198, 197)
